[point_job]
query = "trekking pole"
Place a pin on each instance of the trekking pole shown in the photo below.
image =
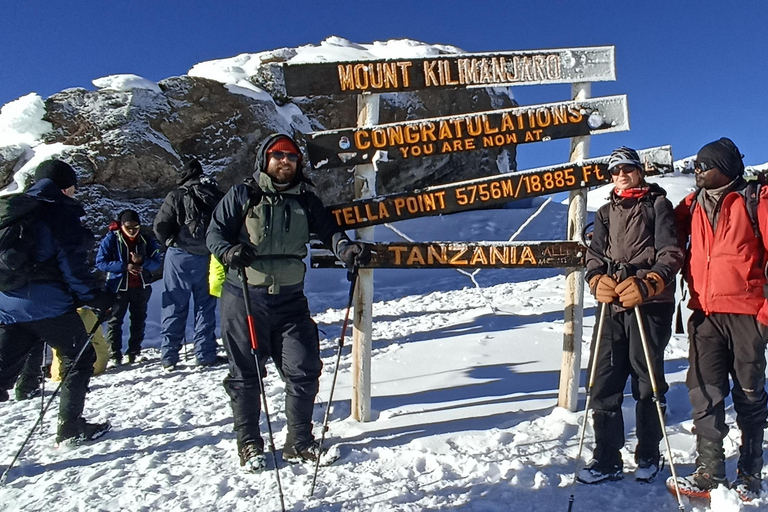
(657, 399)
(255, 352)
(42, 386)
(353, 282)
(593, 369)
(91, 334)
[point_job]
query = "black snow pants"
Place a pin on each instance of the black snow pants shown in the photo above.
(723, 345)
(134, 301)
(285, 332)
(65, 333)
(621, 355)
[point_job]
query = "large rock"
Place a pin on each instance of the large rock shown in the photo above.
(127, 144)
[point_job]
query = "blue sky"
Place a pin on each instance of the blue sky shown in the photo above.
(693, 71)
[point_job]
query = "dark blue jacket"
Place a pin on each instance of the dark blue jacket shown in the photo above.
(113, 258)
(61, 250)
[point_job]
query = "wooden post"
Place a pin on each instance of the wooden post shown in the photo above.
(570, 370)
(362, 326)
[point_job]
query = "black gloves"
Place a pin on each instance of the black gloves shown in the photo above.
(356, 254)
(238, 256)
(102, 301)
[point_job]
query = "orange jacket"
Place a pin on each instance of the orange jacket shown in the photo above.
(725, 269)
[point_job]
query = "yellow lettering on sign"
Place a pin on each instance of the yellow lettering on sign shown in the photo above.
(415, 256)
(430, 78)
(405, 73)
(574, 114)
(411, 133)
(499, 255)
(487, 128)
(395, 135)
(527, 256)
(346, 77)
(398, 250)
(560, 115)
(361, 76)
(360, 140)
(455, 259)
(507, 124)
(433, 256)
(428, 132)
(338, 215)
(478, 257)
(390, 75)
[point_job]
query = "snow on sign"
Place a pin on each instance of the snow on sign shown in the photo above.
(488, 192)
(550, 254)
(530, 67)
(467, 132)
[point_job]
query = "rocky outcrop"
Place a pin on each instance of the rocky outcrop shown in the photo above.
(127, 144)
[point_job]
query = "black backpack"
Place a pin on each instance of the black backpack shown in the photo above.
(198, 202)
(18, 214)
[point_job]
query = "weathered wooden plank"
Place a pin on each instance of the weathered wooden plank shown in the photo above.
(495, 69)
(467, 132)
(546, 254)
(488, 192)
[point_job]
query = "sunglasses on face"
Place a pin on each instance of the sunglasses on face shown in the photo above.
(628, 169)
(702, 166)
(131, 227)
(279, 155)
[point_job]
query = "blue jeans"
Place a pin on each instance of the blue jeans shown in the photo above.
(185, 275)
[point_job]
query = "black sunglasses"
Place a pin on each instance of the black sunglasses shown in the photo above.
(702, 166)
(279, 155)
(626, 168)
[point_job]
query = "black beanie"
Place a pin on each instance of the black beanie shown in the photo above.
(61, 173)
(724, 155)
(192, 169)
(129, 216)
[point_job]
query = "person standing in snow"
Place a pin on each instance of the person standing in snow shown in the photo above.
(728, 329)
(261, 229)
(180, 226)
(128, 256)
(631, 262)
(44, 310)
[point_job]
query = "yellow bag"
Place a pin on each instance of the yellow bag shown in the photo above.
(89, 319)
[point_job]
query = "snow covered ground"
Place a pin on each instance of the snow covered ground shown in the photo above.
(464, 400)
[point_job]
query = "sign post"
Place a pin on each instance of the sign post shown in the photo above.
(362, 325)
(570, 370)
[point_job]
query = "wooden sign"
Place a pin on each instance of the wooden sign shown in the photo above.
(467, 132)
(489, 192)
(552, 254)
(531, 67)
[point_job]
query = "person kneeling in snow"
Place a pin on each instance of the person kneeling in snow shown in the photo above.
(631, 263)
(260, 230)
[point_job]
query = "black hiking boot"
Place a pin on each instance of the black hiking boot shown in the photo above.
(84, 433)
(597, 473)
(252, 458)
(310, 453)
(710, 470)
(647, 469)
(747, 486)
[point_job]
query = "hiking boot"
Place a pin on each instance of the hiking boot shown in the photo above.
(216, 361)
(86, 432)
(596, 473)
(648, 469)
(309, 453)
(115, 361)
(169, 367)
(27, 395)
(252, 458)
(747, 486)
(132, 358)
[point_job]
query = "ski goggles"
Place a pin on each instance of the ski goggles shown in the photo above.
(279, 155)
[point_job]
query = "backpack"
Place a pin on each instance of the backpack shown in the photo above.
(18, 214)
(751, 195)
(198, 202)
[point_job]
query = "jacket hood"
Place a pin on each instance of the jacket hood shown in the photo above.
(260, 166)
(47, 190)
